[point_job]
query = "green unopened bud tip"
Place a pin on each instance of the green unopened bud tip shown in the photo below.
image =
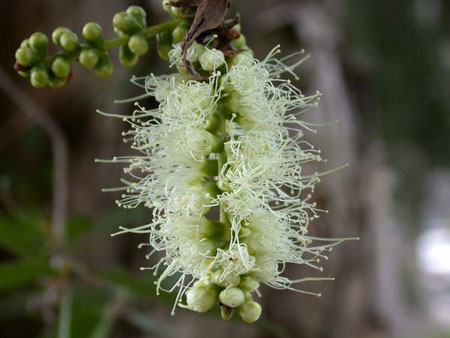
(69, 41)
(92, 31)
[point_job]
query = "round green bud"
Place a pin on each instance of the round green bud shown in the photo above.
(240, 43)
(89, 57)
(39, 43)
(104, 67)
(249, 284)
(56, 82)
(126, 23)
(237, 28)
(201, 297)
(39, 77)
(180, 31)
(138, 44)
(25, 43)
(25, 56)
(176, 12)
(232, 297)
(250, 311)
(57, 33)
(167, 6)
(138, 13)
(69, 41)
(126, 57)
(164, 44)
(92, 31)
(61, 67)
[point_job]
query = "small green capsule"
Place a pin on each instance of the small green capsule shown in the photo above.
(69, 41)
(61, 67)
(138, 44)
(56, 82)
(104, 67)
(176, 12)
(25, 56)
(164, 40)
(92, 31)
(39, 43)
(250, 311)
(57, 33)
(240, 43)
(167, 6)
(89, 57)
(124, 22)
(126, 57)
(25, 43)
(138, 14)
(180, 31)
(39, 77)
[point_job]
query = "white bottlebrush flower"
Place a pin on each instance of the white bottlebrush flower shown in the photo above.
(234, 143)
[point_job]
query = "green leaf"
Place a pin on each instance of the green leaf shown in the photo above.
(22, 236)
(17, 274)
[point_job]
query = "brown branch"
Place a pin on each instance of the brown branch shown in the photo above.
(59, 150)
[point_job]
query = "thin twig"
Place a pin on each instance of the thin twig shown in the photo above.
(59, 150)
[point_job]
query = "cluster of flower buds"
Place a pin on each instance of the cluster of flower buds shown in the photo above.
(132, 23)
(55, 70)
(33, 61)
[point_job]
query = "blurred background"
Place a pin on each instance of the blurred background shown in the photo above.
(384, 69)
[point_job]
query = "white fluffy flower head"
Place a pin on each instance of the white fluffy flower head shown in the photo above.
(222, 164)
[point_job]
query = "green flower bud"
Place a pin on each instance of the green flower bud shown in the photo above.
(92, 31)
(176, 12)
(39, 77)
(61, 67)
(240, 43)
(167, 6)
(57, 33)
(164, 40)
(180, 31)
(89, 57)
(232, 297)
(202, 297)
(25, 56)
(249, 284)
(139, 15)
(126, 57)
(39, 44)
(69, 41)
(250, 311)
(138, 44)
(126, 23)
(237, 27)
(25, 43)
(56, 82)
(104, 67)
